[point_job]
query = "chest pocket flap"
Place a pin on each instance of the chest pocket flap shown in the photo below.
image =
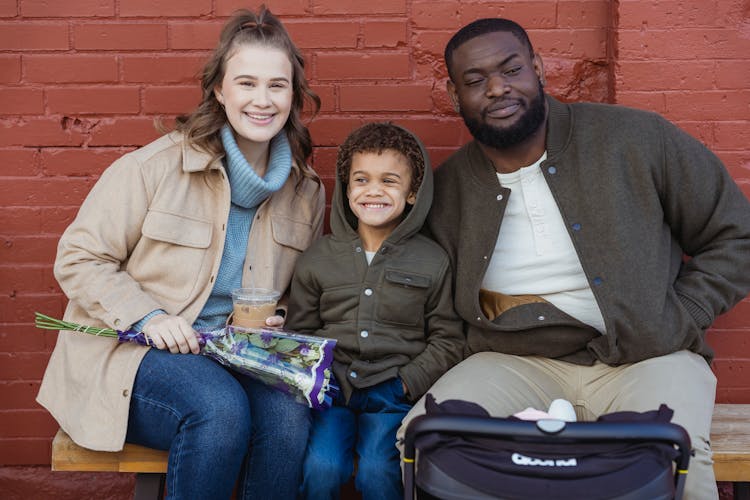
(291, 233)
(406, 279)
(177, 229)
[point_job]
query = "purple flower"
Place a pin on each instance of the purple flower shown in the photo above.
(304, 349)
(266, 336)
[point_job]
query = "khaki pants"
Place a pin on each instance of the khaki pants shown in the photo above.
(505, 384)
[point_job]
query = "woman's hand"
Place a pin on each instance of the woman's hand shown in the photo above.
(275, 321)
(172, 332)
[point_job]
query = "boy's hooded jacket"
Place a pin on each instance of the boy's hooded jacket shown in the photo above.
(391, 318)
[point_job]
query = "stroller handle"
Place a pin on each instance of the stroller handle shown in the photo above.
(592, 432)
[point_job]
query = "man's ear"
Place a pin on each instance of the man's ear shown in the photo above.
(539, 68)
(451, 88)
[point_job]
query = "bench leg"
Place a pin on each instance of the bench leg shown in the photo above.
(741, 490)
(149, 486)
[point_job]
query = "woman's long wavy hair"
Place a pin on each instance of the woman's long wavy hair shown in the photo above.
(202, 126)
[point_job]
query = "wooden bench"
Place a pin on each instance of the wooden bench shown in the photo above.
(730, 440)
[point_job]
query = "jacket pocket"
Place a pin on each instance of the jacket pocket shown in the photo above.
(403, 298)
(291, 233)
(171, 254)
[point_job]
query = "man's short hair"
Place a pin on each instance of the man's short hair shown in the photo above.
(376, 138)
(482, 27)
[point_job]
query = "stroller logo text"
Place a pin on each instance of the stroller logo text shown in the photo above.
(519, 459)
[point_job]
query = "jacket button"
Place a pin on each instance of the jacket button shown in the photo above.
(552, 170)
(479, 318)
(368, 291)
(353, 374)
(576, 227)
(117, 322)
(125, 393)
(358, 249)
(499, 197)
(598, 281)
(364, 334)
(541, 318)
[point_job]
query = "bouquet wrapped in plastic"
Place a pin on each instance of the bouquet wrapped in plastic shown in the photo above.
(299, 365)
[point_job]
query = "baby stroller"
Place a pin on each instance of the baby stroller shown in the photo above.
(465, 454)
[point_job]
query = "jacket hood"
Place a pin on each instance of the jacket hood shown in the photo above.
(344, 222)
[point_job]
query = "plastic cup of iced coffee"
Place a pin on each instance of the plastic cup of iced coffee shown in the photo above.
(253, 305)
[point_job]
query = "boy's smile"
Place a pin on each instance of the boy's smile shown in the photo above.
(379, 188)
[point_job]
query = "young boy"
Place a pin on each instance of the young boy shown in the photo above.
(383, 291)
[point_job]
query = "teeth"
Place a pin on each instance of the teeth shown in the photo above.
(375, 205)
(259, 117)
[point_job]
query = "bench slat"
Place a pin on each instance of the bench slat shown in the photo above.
(730, 442)
(68, 456)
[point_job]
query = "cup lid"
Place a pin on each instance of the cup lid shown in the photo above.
(259, 295)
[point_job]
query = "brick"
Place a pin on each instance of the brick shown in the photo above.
(164, 8)
(324, 163)
(278, 7)
(22, 101)
(731, 395)
(733, 135)
(666, 75)
(162, 69)
(732, 373)
(732, 74)
(18, 394)
(27, 278)
(19, 162)
(650, 101)
(70, 68)
(29, 132)
(529, 14)
(391, 97)
(327, 94)
(439, 155)
(68, 8)
(432, 43)
(36, 220)
(385, 33)
(362, 66)
(94, 100)
(39, 482)
(667, 14)
(137, 131)
(173, 99)
(8, 8)
(436, 15)
(437, 131)
(44, 192)
(77, 162)
(714, 105)
(358, 7)
(584, 43)
(30, 36)
(10, 68)
(701, 130)
(120, 36)
(323, 34)
(56, 219)
(26, 451)
(22, 366)
(23, 249)
(332, 130)
(194, 35)
(728, 343)
(24, 423)
(583, 14)
(684, 44)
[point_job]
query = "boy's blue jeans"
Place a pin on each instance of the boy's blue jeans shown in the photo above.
(219, 427)
(366, 425)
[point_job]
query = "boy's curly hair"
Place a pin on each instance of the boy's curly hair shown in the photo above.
(376, 138)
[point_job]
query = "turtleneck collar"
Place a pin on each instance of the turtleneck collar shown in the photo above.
(247, 188)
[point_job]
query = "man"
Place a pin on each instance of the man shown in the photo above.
(567, 226)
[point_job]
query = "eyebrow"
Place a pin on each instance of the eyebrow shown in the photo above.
(354, 172)
(502, 63)
(253, 77)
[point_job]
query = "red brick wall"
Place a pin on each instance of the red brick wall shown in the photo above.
(81, 82)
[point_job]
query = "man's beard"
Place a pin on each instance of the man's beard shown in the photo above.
(506, 137)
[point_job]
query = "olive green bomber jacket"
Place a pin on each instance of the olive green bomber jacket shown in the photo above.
(636, 194)
(391, 318)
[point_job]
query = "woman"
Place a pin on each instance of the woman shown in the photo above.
(224, 201)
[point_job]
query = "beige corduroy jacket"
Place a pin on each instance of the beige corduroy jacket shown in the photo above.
(150, 235)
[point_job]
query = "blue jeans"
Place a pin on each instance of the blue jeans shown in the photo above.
(366, 425)
(219, 427)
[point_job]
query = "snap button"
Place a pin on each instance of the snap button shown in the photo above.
(576, 227)
(353, 374)
(125, 393)
(364, 334)
(598, 281)
(368, 291)
(358, 249)
(541, 318)
(552, 170)
(118, 322)
(499, 197)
